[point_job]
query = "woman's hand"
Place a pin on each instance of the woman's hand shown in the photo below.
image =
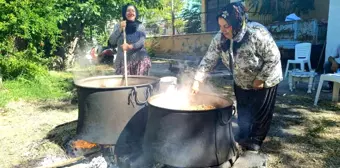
(122, 25)
(126, 46)
(334, 67)
(258, 84)
(195, 87)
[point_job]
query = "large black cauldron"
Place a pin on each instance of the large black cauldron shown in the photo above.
(107, 107)
(201, 138)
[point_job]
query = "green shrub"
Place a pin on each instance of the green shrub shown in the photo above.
(13, 67)
(151, 51)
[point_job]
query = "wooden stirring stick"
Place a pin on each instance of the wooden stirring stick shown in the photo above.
(125, 61)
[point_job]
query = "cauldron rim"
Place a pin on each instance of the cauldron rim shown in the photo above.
(229, 106)
(78, 83)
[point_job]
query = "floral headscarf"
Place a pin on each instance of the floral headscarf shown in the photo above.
(235, 15)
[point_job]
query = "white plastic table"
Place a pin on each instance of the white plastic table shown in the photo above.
(329, 77)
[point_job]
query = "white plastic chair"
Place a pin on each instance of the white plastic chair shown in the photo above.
(329, 77)
(302, 56)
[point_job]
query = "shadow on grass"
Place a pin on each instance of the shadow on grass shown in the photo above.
(61, 134)
(285, 118)
(63, 107)
(308, 141)
(306, 101)
(328, 148)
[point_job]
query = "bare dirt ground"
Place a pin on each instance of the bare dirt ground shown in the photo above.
(24, 129)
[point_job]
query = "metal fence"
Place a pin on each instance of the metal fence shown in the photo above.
(201, 23)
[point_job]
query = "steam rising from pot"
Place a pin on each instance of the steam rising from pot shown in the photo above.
(180, 97)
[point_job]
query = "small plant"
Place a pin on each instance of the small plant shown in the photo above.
(13, 67)
(151, 51)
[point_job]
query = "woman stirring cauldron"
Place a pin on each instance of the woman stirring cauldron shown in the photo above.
(249, 51)
(138, 61)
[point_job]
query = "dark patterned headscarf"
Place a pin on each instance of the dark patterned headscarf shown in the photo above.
(235, 15)
(131, 26)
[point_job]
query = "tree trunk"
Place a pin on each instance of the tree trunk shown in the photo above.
(70, 54)
(76, 45)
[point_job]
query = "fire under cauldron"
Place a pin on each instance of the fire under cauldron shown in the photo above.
(191, 138)
(110, 113)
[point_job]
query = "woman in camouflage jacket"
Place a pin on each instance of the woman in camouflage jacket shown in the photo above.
(249, 51)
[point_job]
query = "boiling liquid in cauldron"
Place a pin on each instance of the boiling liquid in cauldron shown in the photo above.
(199, 107)
(183, 102)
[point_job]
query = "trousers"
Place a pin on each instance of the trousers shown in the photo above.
(255, 112)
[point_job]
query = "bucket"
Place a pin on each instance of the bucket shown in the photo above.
(166, 82)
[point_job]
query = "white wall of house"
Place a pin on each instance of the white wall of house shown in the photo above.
(236, 1)
(333, 30)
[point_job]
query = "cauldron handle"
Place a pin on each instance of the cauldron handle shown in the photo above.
(222, 116)
(134, 94)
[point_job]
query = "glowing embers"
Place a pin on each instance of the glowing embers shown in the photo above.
(81, 144)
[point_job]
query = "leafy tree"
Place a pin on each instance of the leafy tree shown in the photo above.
(26, 24)
(192, 16)
(31, 30)
(24, 27)
(163, 15)
(92, 15)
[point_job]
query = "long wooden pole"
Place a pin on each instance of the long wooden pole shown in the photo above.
(320, 57)
(125, 61)
(69, 161)
(64, 163)
(172, 17)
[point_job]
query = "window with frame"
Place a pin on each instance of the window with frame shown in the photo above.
(212, 7)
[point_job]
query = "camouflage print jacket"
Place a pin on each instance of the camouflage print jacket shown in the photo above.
(256, 56)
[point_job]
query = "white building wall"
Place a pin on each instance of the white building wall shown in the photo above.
(236, 1)
(333, 30)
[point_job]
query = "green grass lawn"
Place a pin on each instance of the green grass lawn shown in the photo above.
(57, 85)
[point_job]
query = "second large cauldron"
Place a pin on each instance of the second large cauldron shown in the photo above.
(190, 138)
(107, 107)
